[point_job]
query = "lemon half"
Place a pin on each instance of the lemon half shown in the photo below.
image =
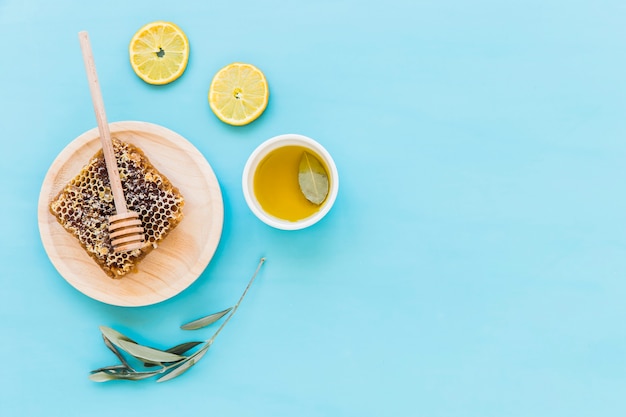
(159, 52)
(238, 93)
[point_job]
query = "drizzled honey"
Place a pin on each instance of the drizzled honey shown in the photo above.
(84, 205)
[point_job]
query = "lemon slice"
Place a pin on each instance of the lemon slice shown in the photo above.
(159, 52)
(238, 93)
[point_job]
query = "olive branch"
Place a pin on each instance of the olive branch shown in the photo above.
(169, 363)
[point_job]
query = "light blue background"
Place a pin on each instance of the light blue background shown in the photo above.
(473, 264)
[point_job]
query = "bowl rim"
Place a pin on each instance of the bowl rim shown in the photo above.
(288, 139)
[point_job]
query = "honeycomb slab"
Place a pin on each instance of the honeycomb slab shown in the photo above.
(84, 205)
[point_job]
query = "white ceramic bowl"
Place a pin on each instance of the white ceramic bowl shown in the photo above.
(257, 156)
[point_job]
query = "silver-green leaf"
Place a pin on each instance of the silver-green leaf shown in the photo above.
(179, 370)
(178, 350)
(114, 336)
(102, 376)
(185, 366)
(205, 321)
(137, 376)
(113, 369)
(117, 353)
(313, 179)
(105, 376)
(183, 347)
(148, 354)
(171, 362)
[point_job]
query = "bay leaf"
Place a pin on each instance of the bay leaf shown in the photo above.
(148, 354)
(205, 321)
(312, 178)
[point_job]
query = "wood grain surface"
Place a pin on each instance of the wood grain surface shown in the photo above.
(180, 258)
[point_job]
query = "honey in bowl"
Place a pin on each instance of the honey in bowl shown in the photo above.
(277, 182)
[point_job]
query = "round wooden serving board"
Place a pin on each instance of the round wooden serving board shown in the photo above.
(182, 256)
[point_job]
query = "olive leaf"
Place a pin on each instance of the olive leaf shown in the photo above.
(116, 352)
(183, 347)
(178, 350)
(143, 353)
(148, 354)
(137, 376)
(171, 362)
(101, 376)
(104, 375)
(179, 370)
(185, 365)
(112, 369)
(205, 321)
(313, 179)
(114, 336)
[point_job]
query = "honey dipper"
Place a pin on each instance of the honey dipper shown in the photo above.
(125, 229)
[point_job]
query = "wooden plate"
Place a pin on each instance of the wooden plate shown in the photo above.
(184, 253)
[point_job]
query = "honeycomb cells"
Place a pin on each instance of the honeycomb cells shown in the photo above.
(85, 204)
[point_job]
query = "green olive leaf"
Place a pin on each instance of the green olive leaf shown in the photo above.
(171, 362)
(179, 370)
(113, 369)
(205, 321)
(183, 347)
(102, 376)
(110, 374)
(178, 350)
(114, 336)
(185, 365)
(117, 353)
(136, 376)
(148, 354)
(313, 179)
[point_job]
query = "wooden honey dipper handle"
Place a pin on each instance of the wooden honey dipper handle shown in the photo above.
(103, 125)
(125, 230)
